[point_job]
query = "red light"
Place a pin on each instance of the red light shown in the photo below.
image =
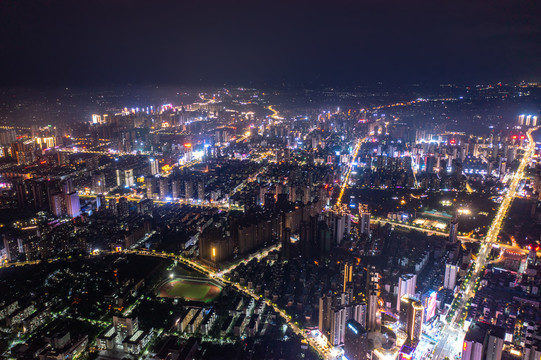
(187, 145)
(453, 141)
(43, 162)
(514, 137)
(522, 137)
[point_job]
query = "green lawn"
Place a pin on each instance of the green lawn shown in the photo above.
(189, 290)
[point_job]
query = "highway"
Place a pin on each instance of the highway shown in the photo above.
(514, 247)
(446, 347)
(348, 172)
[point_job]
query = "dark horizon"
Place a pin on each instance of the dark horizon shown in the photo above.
(66, 43)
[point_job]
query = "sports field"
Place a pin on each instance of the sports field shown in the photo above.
(189, 289)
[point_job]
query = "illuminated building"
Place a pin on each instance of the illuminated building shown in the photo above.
(372, 294)
(430, 304)
(123, 207)
(124, 177)
(324, 320)
(73, 205)
(154, 166)
(348, 275)
(364, 219)
(201, 190)
(453, 231)
(124, 327)
(338, 326)
(175, 188)
(449, 280)
(412, 317)
(164, 187)
(356, 345)
(406, 286)
(188, 190)
(98, 183)
(483, 342)
(101, 202)
(112, 207)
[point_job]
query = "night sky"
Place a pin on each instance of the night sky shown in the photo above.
(98, 42)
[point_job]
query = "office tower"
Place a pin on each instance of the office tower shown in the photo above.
(406, 286)
(73, 205)
(123, 207)
(356, 345)
(412, 317)
(324, 319)
(451, 271)
(188, 190)
(348, 275)
(364, 219)
(98, 183)
(113, 207)
(164, 187)
(372, 294)
(154, 166)
(453, 231)
(483, 342)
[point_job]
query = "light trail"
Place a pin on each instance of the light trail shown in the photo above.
(348, 172)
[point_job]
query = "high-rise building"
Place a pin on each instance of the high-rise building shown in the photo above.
(356, 345)
(154, 167)
(164, 187)
(201, 190)
(188, 190)
(412, 317)
(101, 202)
(372, 294)
(150, 184)
(451, 271)
(348, 275)
(453, 230)
(338, 325)
(123, 207)
(325, 308)
(124, 177)
(483, 342)
(56, 204)
(175, 189)
(406, 286)
(113, 207)
(125, 327)
(73, 205)
(364, 219)
(98, 183)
